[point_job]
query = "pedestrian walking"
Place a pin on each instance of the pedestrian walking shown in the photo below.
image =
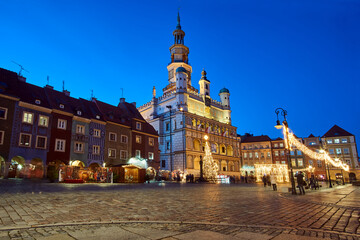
(273, 181)
(300, 182)
(264, 180)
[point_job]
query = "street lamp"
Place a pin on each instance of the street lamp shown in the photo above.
(328, 168)
(171, 164)
(279, 126)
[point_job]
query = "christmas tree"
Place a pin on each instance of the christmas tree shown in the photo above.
(210, 166)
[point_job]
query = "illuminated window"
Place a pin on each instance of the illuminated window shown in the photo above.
(336, 140)
(60, 145)
(41, 142)
(137, 153)
(3, 113)
(138, 139)
(344, 140)
(151, 141)
(62, 124)
(112, 137)
(281, 145)
(37, 101)
(25, 140)
(293, 162)
(151, 156)
(276, 153)
(276, 145)
(79, 113)
(112, 153)
(283, 162)
(300, 163)
(97, 133)
(329, 141)
(78, 147)
(96, 150)
(43, 121)
(245, 155)
(80, 129)
(28, 117)
(268, 154)
(338, 150)
(282, 153)
(250, 155)
(319, 163)
(138, 125)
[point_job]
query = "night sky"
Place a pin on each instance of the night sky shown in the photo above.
(301, 55)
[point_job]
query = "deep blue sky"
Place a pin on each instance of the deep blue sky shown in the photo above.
(301, 55)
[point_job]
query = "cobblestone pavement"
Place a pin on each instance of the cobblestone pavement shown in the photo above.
(39, 210)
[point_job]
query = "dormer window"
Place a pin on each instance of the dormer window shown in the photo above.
(97, 117)
(79, 113)
(61, 106)
(37, 101)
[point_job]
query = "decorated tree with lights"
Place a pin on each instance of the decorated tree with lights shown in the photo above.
(210, 167)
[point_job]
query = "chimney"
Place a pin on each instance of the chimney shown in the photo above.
(66, 92)
(122, 100)
(21, 78)
(49, 87)
(134, 103)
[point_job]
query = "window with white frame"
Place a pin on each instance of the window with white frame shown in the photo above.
(79, 112)
(2, 133)
(245, 155)
(79, 147)
(112, 136)
(344, 140)
(96, 149)
(329, 141)
(123, 154)
(277, 162)
(137, 153)
(282, 153)
(151, 156)
(25, 140)
(300, 162)
(276, 145)
(336, 140)
(138, 125)
(276, 153)
(60, 145)
(41, 142)
(151, 141)
(112, 153)
(43, 121)
(124, 139)
(346, 151)
(268, 154)
(97, 133)
(281, 145)
(283, 162)
(62, 124)
(3, 113)
(293, 162)
(311, 162)
(338, 150)
(28, 117)
(250, 155)
(138, 139)
(262, 155)
(80, 129)
(37, 101)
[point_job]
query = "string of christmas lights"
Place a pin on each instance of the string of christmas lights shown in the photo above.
(314, 155)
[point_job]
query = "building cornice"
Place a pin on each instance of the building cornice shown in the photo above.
(62, 112)
(9, 97)
(81, 119)
(34, 107)
(144, 133)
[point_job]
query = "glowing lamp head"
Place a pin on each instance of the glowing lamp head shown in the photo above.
(181, 109)
(206, 137)
(278, 125)
(104, 164)
(321, 151)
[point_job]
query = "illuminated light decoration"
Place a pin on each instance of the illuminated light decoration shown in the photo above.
(279, 170)
(210, 166)
(314, 155)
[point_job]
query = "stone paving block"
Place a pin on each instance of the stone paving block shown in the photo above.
(252, 236)
(208, 235)
(150, 232)
(108, 233)
(284, 236)
(56, 237)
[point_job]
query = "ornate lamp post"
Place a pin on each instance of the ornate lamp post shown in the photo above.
(279, 126)
(328, 169)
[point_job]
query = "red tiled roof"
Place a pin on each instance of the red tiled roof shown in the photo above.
(262, 138)
(336, 131)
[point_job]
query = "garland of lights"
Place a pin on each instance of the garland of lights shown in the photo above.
(210, 167)
(291, 140)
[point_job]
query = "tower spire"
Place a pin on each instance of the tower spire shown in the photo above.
(178, 21)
